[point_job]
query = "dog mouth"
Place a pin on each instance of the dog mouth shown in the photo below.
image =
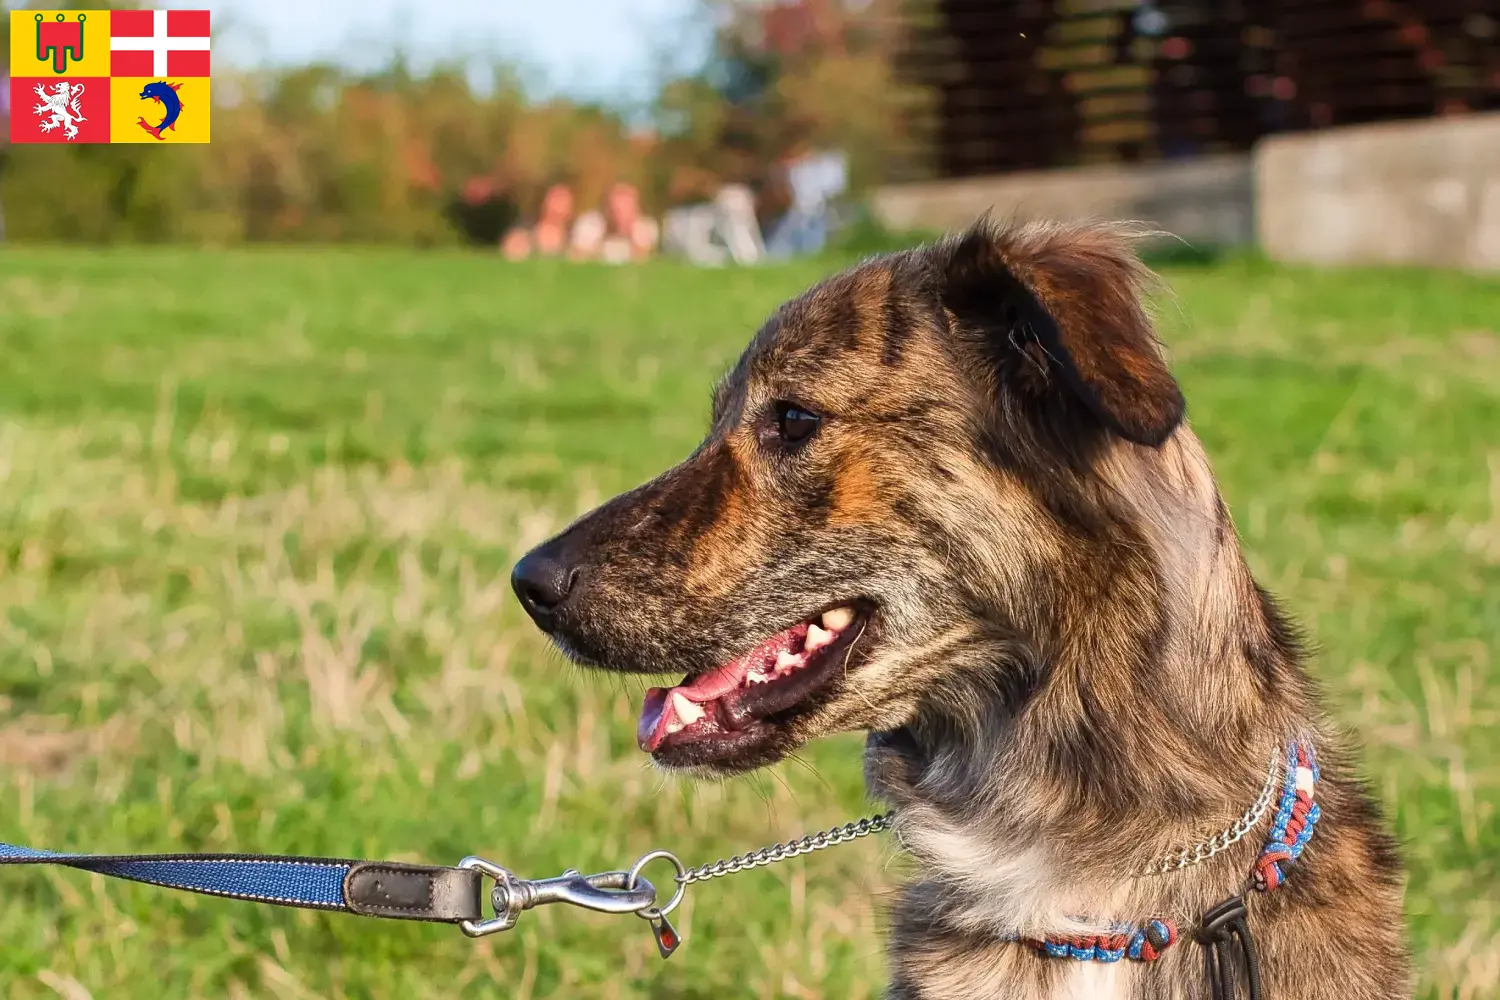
(737, 704)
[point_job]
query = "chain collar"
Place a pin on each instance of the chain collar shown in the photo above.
(1182, 857)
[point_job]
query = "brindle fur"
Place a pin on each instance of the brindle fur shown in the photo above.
(1071, 669)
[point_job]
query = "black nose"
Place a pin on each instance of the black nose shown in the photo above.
(542, 581)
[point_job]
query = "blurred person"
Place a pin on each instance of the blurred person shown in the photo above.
(711, 234)
(737, 224)
(587, 239)
(617, 235)
(815, 179)
(632, 234)
(516, 244)
(688, 231)
(550, 237)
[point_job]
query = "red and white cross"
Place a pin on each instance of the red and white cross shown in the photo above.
(158, 43)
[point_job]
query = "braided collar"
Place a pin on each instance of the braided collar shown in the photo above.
(1291, 829)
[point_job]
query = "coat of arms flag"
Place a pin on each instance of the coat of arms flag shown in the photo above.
(109, 76)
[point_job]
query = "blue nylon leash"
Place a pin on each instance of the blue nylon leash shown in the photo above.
(315, 883)
(429, 892)
(386, 889)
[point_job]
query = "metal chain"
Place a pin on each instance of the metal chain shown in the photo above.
(791, 849)
(1182, 857)
(1174, 860)
(604, 892)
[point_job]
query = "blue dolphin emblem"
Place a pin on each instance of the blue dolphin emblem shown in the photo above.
(164, 94)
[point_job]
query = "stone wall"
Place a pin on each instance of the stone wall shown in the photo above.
(1208, 201)
(1420, 192)
(1423, 192)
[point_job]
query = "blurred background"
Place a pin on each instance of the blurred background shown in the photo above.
(447, 125)
(277, 413)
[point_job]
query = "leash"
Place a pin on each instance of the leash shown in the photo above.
(432, 893)
(401, 891)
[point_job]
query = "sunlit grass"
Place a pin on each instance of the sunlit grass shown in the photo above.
(256, 515)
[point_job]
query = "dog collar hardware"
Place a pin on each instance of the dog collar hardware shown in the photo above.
(606, 892)
(1226, 925)
(617, 892)
(1221, 928)
(1182, 857)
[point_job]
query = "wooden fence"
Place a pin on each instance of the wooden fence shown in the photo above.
(1030, 84)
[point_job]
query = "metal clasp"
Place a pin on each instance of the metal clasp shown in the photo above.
(606, 892)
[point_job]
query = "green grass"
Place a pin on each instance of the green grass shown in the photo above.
(256, 515)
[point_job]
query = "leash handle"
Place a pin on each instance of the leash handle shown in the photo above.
(386, 889)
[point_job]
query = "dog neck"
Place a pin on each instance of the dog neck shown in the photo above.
(1141, 728)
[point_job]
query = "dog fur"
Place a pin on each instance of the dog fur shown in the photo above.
(1067, 669)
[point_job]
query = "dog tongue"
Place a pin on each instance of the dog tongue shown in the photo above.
(657, 712)
(649, 731)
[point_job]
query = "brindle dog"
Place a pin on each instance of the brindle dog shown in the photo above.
(948, 497)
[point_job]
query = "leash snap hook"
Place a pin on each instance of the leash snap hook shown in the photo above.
(605, 892)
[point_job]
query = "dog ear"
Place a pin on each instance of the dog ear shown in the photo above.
(1070, 297)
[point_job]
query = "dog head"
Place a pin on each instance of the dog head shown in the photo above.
(898, 498)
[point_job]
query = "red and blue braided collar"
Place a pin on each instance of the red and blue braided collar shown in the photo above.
(1292, 828)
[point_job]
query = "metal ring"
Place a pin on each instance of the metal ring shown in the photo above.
(653, 912)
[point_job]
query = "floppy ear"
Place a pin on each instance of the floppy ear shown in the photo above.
(1070, 297)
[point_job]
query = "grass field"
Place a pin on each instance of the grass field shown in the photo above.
(257, 511)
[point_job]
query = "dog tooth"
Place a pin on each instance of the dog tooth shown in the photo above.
(838, 619)
(817, 638)
(687, 712)
(786, 660)
(675, 726)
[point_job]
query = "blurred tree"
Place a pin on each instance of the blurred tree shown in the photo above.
(318, 153)
(785, 77)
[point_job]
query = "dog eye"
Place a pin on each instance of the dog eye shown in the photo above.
(793, 423)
